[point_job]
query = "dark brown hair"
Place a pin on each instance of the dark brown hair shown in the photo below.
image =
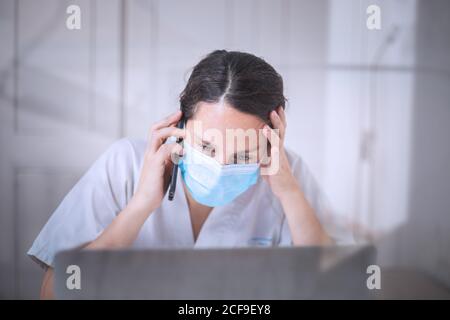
(244, 81)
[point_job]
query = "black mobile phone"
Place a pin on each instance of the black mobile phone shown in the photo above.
(173, 178)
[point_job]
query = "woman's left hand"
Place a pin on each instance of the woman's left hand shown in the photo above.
(279, 174)
(304, 226)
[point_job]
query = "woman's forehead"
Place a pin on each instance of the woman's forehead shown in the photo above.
(222, 116)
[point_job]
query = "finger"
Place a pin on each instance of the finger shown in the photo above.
(272, 136)
(170, 152)
(277, 123)
(160, 136)
(170, 120)
(282, 115)
(274, 141)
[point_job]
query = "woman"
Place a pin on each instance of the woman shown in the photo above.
(120, 202)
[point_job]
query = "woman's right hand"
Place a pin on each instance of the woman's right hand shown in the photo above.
(157, 163)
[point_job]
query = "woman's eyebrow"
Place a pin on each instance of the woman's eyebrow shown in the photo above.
(200, 139)
(209, 144)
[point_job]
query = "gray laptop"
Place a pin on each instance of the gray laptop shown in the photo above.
(337, 272)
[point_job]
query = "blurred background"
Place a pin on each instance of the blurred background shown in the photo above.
(369, 110)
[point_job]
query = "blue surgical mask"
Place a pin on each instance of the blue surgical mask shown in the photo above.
(211, 183)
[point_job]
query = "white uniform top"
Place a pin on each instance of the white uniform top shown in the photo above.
(255, 218)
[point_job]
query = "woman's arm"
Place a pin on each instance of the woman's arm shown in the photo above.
(124, 229)
(152, 186)
(121, 233)
(304, 226)
(302, 220)
(47, 285)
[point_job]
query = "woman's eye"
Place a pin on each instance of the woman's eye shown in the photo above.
(205, 147)
(242, 158)
(208, 149)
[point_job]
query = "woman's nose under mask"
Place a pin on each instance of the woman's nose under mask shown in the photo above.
(211, 183)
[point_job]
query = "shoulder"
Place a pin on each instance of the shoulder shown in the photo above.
(126, 148)
(298, 165)
(122, 156)
(293, 158)
(303, 174)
